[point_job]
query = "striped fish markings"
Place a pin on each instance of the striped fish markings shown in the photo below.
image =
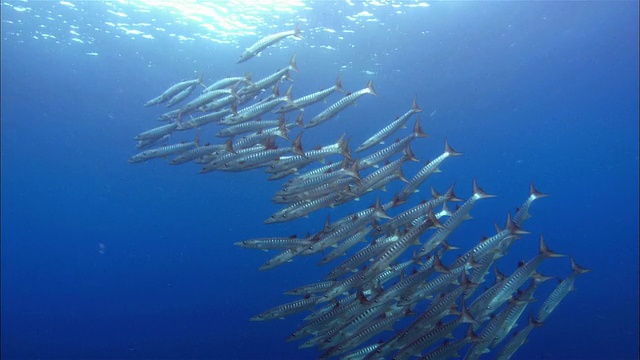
(310, 99)
(174, 91)
(340, 105)
(378, 138)
(164, 151)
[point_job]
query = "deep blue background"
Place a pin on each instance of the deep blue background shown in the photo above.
(528, 91)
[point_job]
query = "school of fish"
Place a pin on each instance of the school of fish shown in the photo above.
(391, 282)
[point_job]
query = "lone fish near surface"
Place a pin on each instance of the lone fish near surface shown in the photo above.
(267, 41)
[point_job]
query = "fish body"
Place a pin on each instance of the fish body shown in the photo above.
(228, 82)
(164, 151)
(203, 120)
(378, 138)
(174, 90)
(158, 132)
(267, 41)
(143, 144)
(430, 168)
(281, 311)
(310, 99)
(250, 126)
(340, 105)
(204, 99)
(271, 79)
(519, 277)
(523, 212)
(256, 110)
(181, 96)
(396, 147)
(195, 153)
(517, 340)
(559, 293)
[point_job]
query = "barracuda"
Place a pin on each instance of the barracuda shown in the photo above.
(250, 126)
(319, 180)
(302, 208)
(216, 161)
(181, 96)
(398, 247)
(196, 153)
(559, 293)
(457, 217)
(204, 99)
(520, 276)
(262, 158)
(279, 312)
(311, 288)
(274, 243)
(347, 244)
(378, 138)
(143, 144)
(415, 212)
(430, 168)
(340, 105)
(158, 132)
(523, 212)
(202, 120)
(312, 193)
(488, 245)
(258, 109)
(438, 332)
(228, 82)
(267, 41)
(524, 297)
(340, 147)
(375, 177)
(518, 340)
(389, 151)
(310, 99)
(164, 151)
(362, 256)
(271, 79)
(173, 91)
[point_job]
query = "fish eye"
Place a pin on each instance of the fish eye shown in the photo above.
(311, 247)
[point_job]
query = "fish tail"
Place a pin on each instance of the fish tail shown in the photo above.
(417, 130)
(577, 268)
(339, 84)
(478, 192)
(414, 106)
(297, 33)
(449, 150)
(545, 251)
(372, 91)
(535, 193)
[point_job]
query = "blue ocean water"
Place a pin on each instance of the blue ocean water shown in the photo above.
(102, 259)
